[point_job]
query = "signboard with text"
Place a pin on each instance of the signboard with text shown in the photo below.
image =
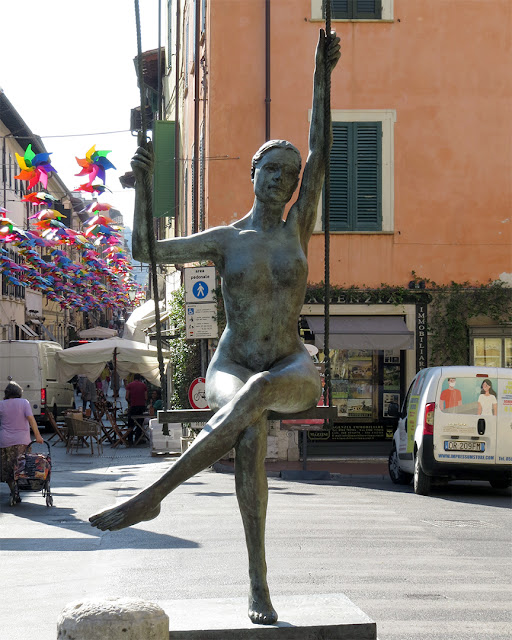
(201, 321)
(199, 284)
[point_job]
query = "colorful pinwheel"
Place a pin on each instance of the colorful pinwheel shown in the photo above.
(97, 189)
(39, 197)
(47, 214)
(94, 165)
(34, 167)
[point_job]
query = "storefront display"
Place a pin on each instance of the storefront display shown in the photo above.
(364, 385)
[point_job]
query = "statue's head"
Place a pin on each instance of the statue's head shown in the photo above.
(274, 144)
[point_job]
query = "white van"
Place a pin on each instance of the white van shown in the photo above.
(455, 423)
(32, 364)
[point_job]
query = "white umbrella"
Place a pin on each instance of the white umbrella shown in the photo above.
(141, 319)
(128, 357)
(97, 332)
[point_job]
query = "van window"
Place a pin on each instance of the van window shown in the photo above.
(51, 365)
(470, 396)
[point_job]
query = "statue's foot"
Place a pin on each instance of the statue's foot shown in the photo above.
(261, 610)
(137, 509)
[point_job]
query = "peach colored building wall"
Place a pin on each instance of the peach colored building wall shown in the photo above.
(443, 66)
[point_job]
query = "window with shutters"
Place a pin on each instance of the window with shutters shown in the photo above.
(354, 10)
(356, 177)
(362, 172)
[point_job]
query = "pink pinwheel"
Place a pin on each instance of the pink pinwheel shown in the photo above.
(94, 164)
(34, 167)
(94, 207)
(47, 214)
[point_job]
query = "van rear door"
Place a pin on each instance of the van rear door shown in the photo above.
(20, 362)
(465, 422)
(504, 432)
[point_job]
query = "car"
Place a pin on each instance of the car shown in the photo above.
(455, 423)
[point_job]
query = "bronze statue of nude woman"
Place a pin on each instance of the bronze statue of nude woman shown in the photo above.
(260, 363)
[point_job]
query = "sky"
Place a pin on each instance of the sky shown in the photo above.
(67, 68)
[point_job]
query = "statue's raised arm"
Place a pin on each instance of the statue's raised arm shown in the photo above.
(305, 209)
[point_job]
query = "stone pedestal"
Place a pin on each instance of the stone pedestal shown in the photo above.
(310, 617)
(112, 619)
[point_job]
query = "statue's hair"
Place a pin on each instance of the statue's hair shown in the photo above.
(273, 144)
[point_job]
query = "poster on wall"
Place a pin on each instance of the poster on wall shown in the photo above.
(387, 399)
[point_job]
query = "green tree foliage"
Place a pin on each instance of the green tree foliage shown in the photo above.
(450, 309)
(185, 354)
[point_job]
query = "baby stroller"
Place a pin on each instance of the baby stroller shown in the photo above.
(32, 472)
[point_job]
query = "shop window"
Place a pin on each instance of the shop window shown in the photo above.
(364, 385)
(354, 10)
(492, 351)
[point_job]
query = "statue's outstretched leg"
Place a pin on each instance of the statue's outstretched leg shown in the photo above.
(252, 494)
(215, 439)
(283, 388)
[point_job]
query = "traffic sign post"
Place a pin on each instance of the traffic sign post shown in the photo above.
(201, 321)
(197, 394)
(200, 284)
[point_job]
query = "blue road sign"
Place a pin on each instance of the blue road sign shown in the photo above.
(200, 289)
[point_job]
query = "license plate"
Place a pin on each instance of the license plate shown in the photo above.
(464, 445)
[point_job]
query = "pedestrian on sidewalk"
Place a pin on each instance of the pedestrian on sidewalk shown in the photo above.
(137, 397)
(88, 392)
(16, 421)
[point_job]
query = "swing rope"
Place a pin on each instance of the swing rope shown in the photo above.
(326, 214)
(149, 213)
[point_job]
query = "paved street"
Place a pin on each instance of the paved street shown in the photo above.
(425, 568)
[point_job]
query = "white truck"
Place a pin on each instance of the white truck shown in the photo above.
(32, 364)
(455, 423)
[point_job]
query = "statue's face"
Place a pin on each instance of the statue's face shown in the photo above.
(276, 176)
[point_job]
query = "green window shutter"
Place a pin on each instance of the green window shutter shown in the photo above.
(367, 9)
(339, 9)
(357, 9)
(163, 175)
(356, 177)
(367, 183)
(341, 163)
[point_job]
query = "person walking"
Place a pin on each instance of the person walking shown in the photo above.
(136, 397)
(16, 421)
(88, 392)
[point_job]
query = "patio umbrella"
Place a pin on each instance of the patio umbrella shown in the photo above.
(141, 319)
(97, 332)
(127, 356)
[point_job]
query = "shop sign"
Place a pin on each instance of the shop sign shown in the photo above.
(421, 335)
(342, 432)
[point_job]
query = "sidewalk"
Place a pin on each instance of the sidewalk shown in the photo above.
(354, 466)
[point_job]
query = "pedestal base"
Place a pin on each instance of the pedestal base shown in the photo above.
(310, 617)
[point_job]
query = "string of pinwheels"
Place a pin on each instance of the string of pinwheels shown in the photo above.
(102, 277)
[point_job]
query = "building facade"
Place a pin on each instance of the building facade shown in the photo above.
(421, 182)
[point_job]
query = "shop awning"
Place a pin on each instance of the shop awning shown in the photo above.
(27, 330)
(362, 332)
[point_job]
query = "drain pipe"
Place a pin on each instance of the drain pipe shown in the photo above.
(267, 70)
(177, 120)
(195, 186)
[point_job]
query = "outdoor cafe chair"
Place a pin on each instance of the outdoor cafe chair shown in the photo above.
(85, 433)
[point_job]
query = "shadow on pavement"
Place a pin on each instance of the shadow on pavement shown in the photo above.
(134, 539)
